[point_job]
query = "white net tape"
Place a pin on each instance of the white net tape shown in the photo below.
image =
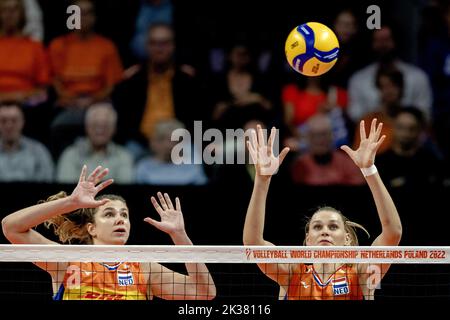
(225, 254)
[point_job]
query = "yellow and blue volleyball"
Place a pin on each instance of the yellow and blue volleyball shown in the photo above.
(312, 49)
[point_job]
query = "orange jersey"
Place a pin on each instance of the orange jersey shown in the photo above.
(23, 64)
(85, 66)
(306, 284)
(100, 281)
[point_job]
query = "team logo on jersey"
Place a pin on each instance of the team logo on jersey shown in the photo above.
(125, 278)
(340, 286)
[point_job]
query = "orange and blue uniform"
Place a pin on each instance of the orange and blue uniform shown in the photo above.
(306, 284)
(100, 281)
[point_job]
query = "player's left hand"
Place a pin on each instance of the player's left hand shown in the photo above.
(364, 156)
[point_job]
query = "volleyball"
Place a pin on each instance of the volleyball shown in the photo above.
(312, 49)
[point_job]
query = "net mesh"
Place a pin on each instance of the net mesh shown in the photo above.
(174, 272)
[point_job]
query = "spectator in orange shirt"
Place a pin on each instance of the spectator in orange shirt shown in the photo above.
(24, 70)
(302, 102)
(86, 66)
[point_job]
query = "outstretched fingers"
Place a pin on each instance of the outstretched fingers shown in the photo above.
(348, 151)
(282, 155)
(83, 174)
(378, 132)
(93, 176)
(273, 132)
(168, 201)
(104, 184)
(156, 205)
(101, 175)
(162, 201)
(261, 142)
(373, 127)
(378, 145)
(177, 204)
(362, 130)
(153, 222)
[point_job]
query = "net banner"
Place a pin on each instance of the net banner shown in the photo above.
(225, 254)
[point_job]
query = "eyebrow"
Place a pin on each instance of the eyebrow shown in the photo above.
(111, 208)
(318, 221)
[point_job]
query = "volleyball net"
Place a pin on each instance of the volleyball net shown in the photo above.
(175, 272)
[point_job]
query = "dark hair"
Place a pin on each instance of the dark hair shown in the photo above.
(350, 226)
(415, 112)
(71, 226)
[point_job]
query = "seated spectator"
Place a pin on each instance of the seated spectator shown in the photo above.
(159, 90)
(363, 96)
(150, 12)
(239, 89)
(21, 158)
(351, 52)
(24, 69)
(389, 83)
(323, 164)
(86, 66)
(97, 148)
(300, 104)
(408, 163)
(159, 169)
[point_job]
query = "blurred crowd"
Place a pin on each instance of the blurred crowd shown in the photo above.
(77, 98)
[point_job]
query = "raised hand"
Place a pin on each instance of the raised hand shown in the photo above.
(261, 153)
(364, 156)
(84, 193)
(171, 217)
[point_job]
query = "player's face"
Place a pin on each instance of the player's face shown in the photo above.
(326, 228)
(112, 224)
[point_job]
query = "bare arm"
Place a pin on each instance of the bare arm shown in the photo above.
(170, 285)
(18, 226)
(364, 157)
(266, 165)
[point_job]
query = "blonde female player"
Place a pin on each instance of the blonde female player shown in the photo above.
(104, 220)
(327, 227)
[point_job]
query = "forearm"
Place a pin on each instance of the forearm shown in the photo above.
(387, 212)
(198, 273)
(254, 220)
(28, 218)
